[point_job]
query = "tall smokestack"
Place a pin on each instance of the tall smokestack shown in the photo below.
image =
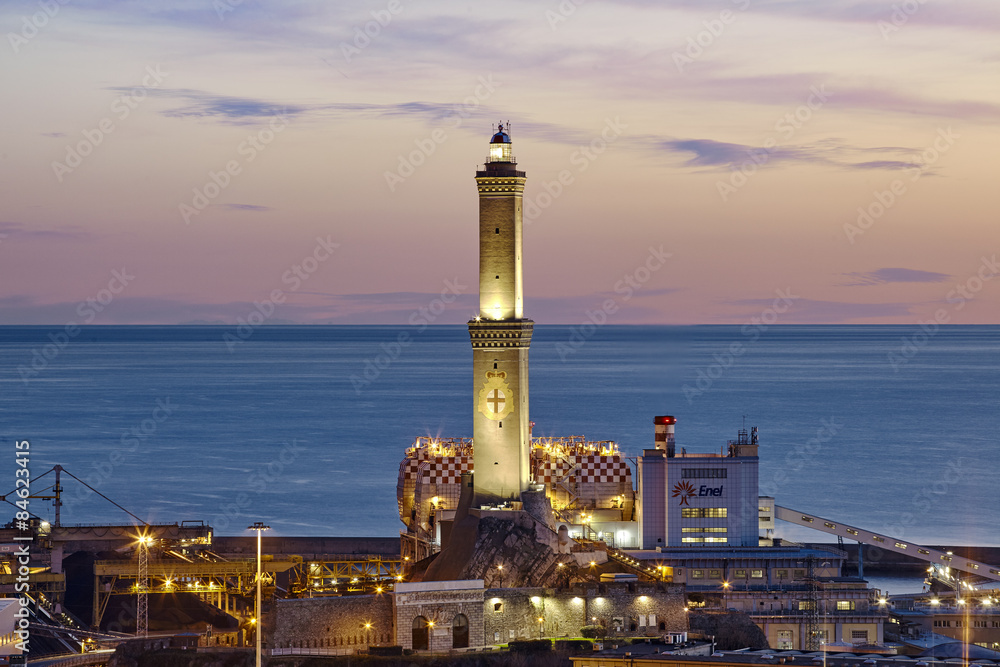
(665, 433)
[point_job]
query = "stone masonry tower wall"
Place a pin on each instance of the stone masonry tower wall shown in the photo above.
(500, 334)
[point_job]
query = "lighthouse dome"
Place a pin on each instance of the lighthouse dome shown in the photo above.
(500, 137)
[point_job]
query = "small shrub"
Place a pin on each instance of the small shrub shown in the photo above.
(593, 631)
(530, 646)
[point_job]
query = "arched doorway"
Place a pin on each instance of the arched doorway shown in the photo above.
(421, 635)
(460, 632)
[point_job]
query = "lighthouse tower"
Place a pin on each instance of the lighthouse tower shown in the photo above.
(500, 334)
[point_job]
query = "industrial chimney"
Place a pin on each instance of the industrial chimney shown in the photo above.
(665, 434)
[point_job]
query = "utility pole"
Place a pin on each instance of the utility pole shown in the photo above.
(258, 625)
(142, 588)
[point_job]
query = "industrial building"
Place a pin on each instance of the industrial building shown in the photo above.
(693, 499)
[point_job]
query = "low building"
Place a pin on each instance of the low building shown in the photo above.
(439, 616)
(973, 618)
(713, 568)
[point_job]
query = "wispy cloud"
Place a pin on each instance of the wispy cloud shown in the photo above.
(15, 231)
(893, 275)
(711, 153)
(246, 207)
(955, 13)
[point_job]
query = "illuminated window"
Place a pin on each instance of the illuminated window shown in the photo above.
(741, 574)
(806, 605)
(845, 605)
(781, 574)
(859, 634)
(715, 574)
(704, 513)
(702, 540)
(696, 529)
(697, 574)
(756, 574)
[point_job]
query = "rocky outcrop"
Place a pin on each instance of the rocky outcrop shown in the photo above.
(512, 554)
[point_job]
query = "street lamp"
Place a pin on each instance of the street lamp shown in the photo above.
(258, 630)
(368, 627)
(541, 626)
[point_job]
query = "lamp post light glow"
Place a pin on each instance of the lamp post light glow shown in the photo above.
(258, 627)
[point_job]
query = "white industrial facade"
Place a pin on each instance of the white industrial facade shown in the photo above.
(698, 499)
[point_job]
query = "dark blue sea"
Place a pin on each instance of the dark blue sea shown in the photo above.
(303, 427)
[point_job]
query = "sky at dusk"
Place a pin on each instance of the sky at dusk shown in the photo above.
(176, 161)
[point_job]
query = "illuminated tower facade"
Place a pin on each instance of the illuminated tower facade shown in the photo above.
(500, 334)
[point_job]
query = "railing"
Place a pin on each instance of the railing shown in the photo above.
(312, 651)
(70, 660)
(820, 615)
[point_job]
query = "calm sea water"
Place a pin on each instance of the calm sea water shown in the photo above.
(173, 425)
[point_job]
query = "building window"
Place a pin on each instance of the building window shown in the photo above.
(756, 574)
(845, 605)
(859, 634)
(741, 574)
(498, 230)
(798, 574)
(702, 529)
(703, 473)
(807, 605)
(693, 540)
(697, 574)
(823, 635)
(781, 574)
(715, 574)
(721, 540)
(704, 513)
(785, 640)
(498, 607)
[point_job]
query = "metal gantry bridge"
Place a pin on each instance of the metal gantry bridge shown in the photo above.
(883, 541)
